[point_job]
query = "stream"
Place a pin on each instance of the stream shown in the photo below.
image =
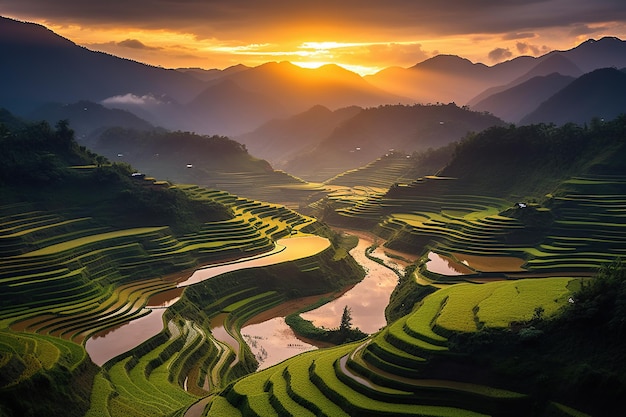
(267, 334)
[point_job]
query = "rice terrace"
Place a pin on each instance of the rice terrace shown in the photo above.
(150, 271)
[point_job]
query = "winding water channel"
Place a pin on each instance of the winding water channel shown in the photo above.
(267, 334)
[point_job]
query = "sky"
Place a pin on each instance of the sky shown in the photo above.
(364, 36)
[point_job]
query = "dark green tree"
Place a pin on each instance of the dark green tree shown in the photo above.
(346, 321)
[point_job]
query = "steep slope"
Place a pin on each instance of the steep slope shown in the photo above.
(188, 158)
(448, 78)
(46, 67)
(549, 64)
(301, 88)
(516, 102)
(594, 54)
(279, 139)
(88, 119)
(229, 109)
(600, 93)
(375, 131)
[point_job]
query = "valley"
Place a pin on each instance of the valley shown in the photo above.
(281, 241)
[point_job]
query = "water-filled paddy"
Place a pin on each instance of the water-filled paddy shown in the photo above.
(115, 341)
(367, 300)
(444, 265)
(288, 249)
(491, 263)
(271, 340)
(462, 264)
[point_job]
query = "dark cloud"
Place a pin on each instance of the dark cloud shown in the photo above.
(580, 30)
(500, 54)
(515, 36)
(136, 44)
(267, 19)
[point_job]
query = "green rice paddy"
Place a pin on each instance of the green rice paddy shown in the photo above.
(68, 278)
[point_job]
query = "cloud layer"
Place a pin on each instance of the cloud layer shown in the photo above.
(400, 31)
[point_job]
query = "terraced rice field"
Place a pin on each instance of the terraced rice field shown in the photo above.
(472, 231)
(384, 374)
(381, 376)
(68, 278)
(395, 167)
(64, 279)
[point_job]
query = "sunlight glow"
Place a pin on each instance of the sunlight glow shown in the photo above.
(171, 48)
(359, 69)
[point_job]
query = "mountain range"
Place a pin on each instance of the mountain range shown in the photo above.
(303, 119)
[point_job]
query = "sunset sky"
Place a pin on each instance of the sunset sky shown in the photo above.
(362, 35)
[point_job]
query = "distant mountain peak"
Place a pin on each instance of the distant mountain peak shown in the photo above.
(445, 62)
(30, 34)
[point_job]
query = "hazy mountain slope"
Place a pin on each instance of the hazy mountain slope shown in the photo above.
(375, 131)
(167, 154)
(279, 139)
(443, 78)
(549, 64)
(301, 88)
(212, 74)
(227, 108)
(600, 93)
(447, 78)
(594, 54)
(188, 158)
(516, 102)
(243, 100)
(87, 118)
(46, 67)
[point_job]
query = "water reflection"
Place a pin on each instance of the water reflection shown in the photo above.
(445, 266)
(271, 340)
(165, 299)
(286, 250)
(218, 329)
(109, 343)
(117, 340)
(367, 300)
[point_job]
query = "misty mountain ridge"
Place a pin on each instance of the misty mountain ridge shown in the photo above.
(88, 119)
(555, 63)
(212, 74)
(456, 79)
(514, 103)
(281, 139)
(373, 132)
(47, 68)
(598, 94)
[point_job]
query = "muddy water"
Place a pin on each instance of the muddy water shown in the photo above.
(367, 300)
(218, 329)
(469, 264)
(492, 263)
(117, 340)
